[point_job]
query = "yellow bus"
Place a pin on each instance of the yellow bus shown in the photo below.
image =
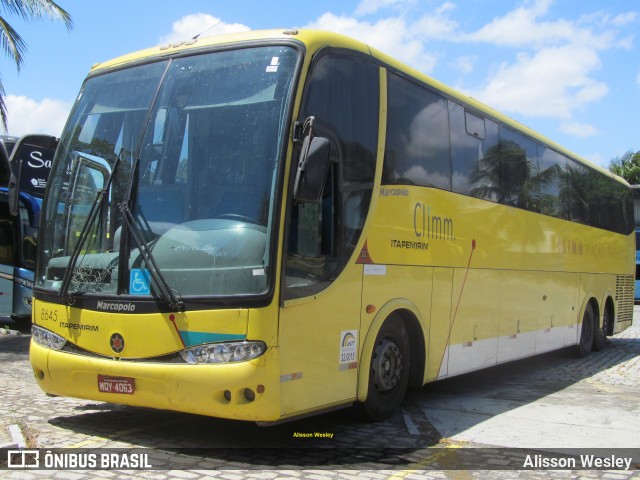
(265, 225)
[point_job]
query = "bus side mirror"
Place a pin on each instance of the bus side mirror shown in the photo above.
(312, 169)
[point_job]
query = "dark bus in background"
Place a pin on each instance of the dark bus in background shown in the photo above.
(635, 189)
(25, 164)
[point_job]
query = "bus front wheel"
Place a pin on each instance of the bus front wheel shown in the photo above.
(588, 332)
(389, 370)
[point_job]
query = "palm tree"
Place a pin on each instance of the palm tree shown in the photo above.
(627, 167)
(12, 43)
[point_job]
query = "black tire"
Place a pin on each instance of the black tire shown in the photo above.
(389, 370)
(588, 332)
(600, 336)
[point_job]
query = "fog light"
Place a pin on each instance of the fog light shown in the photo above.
(227, 395)
(249, 394)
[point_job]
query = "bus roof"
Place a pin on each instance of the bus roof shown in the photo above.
(316, 39)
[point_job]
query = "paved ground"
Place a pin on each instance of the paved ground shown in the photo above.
(546, 403)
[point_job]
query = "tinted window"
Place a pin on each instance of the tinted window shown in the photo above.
(554, 195)
(417, 144)
(493, 162)
(603, 210)
(518, 171)
(621, 208)
(474, 158)
(343, 96)
(578, 182)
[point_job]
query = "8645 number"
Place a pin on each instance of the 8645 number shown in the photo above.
(48, 315)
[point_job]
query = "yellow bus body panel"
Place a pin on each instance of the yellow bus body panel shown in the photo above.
(196, 389)
(491, 283)
(145, 335)
(159, 383)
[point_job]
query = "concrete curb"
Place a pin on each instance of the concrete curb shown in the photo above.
(6, 331)
(17, 439)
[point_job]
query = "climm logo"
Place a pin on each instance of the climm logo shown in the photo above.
(428, 225)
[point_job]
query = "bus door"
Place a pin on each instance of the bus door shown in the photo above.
(319, 330)
(7, 262)
(20, 201)
(7, 237)
(17, 255)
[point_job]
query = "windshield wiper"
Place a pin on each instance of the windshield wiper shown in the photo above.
(93, 213)
(165, 291)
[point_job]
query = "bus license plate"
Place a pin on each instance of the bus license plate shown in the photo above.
(107, 384)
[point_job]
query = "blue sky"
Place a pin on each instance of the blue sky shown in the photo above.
(569, 69)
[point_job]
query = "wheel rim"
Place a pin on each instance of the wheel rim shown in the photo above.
(387, 366)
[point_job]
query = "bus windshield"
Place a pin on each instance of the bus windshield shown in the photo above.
(170, 168)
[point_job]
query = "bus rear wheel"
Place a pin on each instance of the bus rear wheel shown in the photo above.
(389, 370)
(588, 332)
(600, 337)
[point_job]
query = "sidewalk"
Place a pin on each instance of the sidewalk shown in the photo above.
(571, 402)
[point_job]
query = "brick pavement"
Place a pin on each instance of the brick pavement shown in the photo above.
(63, 423)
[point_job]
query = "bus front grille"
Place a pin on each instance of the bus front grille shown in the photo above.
(174, 358)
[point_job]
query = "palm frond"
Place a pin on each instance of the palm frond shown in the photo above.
(3, 108)
(37, 9)
(12, 43)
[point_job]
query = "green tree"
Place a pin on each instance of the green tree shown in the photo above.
(627, 167)
(12, 43)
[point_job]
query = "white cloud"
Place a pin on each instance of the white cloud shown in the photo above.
(390, 35)
(525, 27)
(465, 64)
(624, 18)
(602, 18)
(555, 60)
(555, 65)
(582, 130)
(26, 115)
(367, 7)
(435, 26)
(553, 82)
(200, 23)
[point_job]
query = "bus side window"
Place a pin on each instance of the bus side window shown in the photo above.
(343, 95)
(417, 143)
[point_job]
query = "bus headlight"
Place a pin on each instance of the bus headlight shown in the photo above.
(223, 352)
(46, 338)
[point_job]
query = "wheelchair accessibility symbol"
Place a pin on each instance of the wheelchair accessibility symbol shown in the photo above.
(139, 282)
